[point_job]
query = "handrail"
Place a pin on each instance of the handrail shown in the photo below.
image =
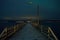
(5, 30)
(50, 30)
(9, 31)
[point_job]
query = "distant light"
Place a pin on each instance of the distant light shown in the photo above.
(29, 2)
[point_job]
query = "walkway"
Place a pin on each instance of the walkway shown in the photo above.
(28, 33)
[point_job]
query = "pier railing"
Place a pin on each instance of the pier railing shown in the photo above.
(10, 31)
(47, 31)
(51, 34)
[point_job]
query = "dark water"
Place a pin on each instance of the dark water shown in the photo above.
(55, 25)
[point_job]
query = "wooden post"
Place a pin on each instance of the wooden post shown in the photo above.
(15, 28)
(48, 33)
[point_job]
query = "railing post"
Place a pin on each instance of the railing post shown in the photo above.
(48, 33)
(4, 34)
(53, 33)
(15, 28)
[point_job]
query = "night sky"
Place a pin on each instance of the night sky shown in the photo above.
(49, 9)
